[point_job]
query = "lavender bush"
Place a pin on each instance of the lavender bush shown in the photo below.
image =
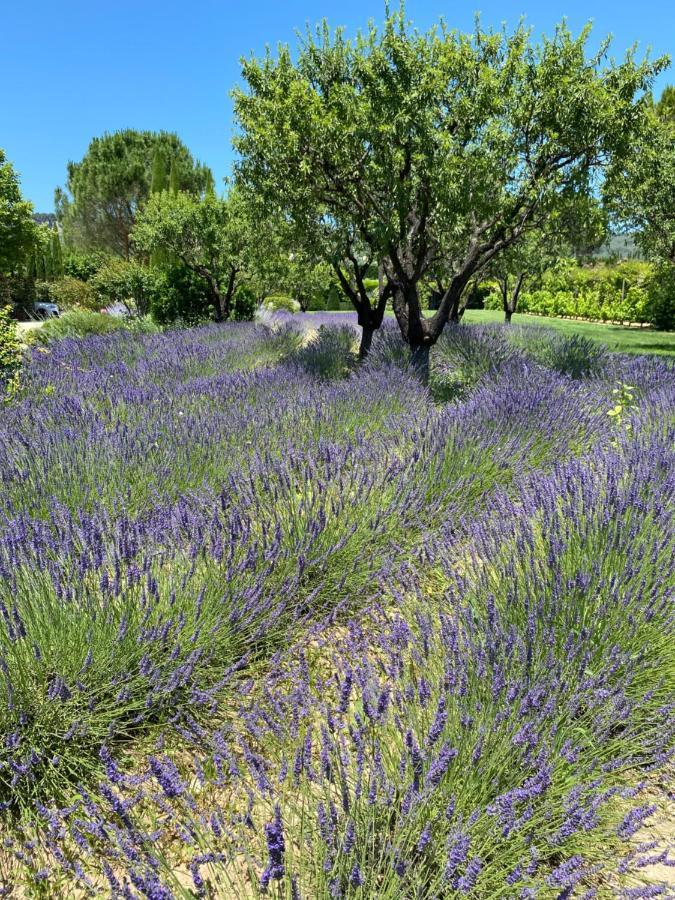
(268, 631)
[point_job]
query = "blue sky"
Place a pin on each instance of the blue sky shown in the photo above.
(71, 70)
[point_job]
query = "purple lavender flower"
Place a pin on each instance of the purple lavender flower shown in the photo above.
(276, 847)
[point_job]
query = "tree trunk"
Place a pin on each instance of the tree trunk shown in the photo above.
(226, 301)
(367, 332)
(511, 301)
(369, 317)
(217, 304)
(420, 362)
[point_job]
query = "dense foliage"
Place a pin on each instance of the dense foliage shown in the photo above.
(624, 292)
(18, 231)
(10, 356)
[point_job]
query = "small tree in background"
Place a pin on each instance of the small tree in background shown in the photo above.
(209, 236)
(128, 283)
(56, 254)
(575, 228)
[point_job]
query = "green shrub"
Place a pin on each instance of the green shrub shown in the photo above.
(660, 301)
(243, 307)
(43, 291)
(83, 266)
(280, 302)
(76, 323)
(333, 299)
(617, 293)
(73, 293)
(317, 303)
(10, 355)
(142, 325)
(128, 283)
(180, 297)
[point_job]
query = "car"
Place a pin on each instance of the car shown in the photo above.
(45, 309)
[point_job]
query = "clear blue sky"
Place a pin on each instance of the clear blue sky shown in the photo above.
(73, 69)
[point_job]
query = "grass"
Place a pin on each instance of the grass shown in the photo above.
(616, 337)
(619, 338)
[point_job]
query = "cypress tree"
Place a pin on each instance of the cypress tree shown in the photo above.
(57, 255)
(210, 184)
(158, 181)
(48, 260)
(40, 265)
(174, 186)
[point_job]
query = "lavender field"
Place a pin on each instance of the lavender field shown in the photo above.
(276, 624)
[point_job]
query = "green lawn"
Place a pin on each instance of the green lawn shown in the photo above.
(615, 337)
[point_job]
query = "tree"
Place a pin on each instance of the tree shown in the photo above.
(640, 194)
(278, 259)
(576, 227)
(640, 187)
(18, 231)
(437, 148)
(107, 188)
(209, 236)
(56, 253)
(158, 182)
(128, 283)
(665, 108)
(306, 278)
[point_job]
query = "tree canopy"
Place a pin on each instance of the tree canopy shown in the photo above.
(433, 148)
(208, 235)
(105, 190)
(18, 231)
(640, 187)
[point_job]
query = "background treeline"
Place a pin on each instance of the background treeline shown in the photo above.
(620, 291)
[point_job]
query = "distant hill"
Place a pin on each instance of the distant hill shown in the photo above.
(619, 246)
(45, 219)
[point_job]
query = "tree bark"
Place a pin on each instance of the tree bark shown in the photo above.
(510, 301)
(420, 362)
(369, 317)
(367, 332)
(229, 294)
